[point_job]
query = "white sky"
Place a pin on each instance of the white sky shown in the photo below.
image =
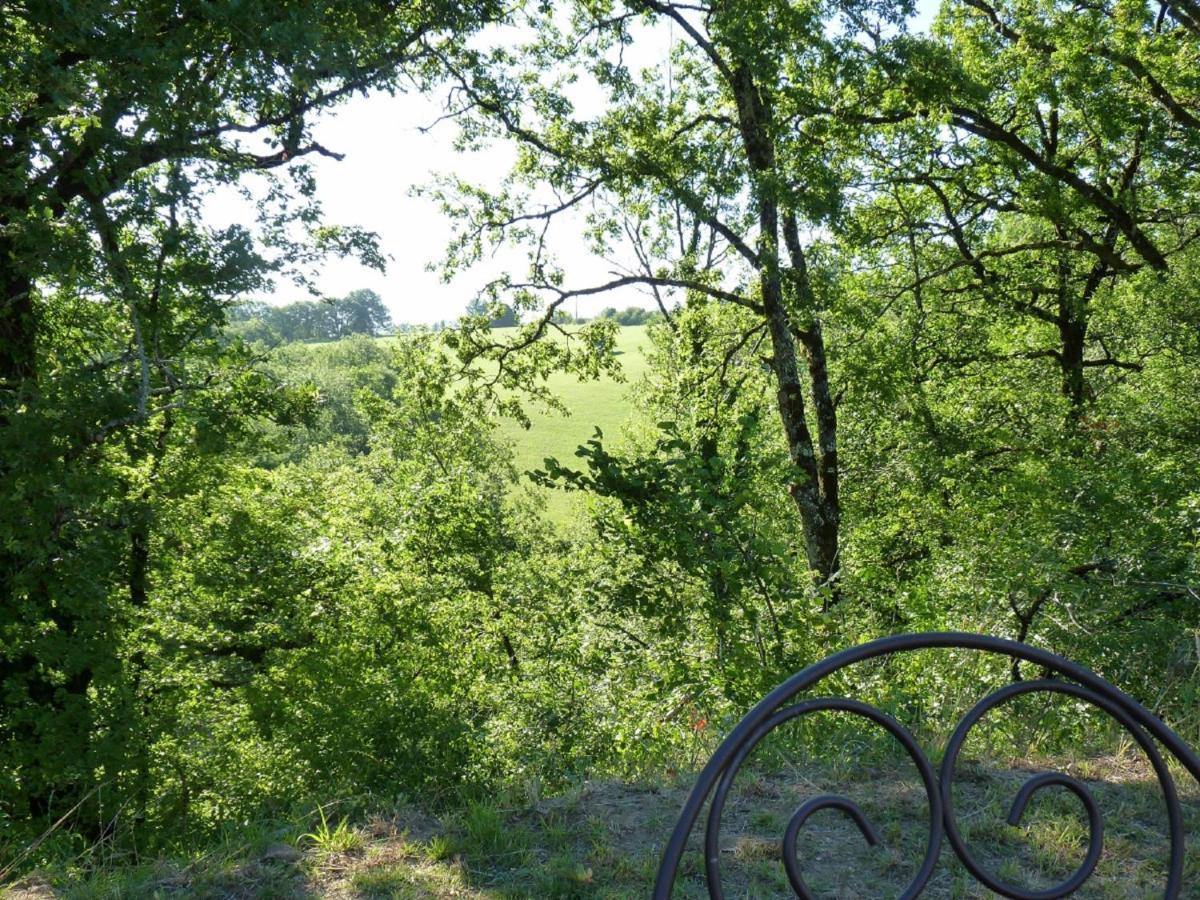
(386, 156)
(391, 149)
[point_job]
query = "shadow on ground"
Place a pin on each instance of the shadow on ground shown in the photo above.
(604, 840)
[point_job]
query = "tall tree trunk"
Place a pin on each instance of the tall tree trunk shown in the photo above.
(815, 485)
(813, 341)
(1072, 334)
(1074, 313)
(820, 541)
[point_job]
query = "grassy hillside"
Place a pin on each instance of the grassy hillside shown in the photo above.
(602, 404)
(596, 404)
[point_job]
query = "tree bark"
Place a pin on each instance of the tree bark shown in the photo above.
(828, 492)
(814, 488)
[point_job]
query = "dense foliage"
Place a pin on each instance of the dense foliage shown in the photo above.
(926, 354)
(118, 395)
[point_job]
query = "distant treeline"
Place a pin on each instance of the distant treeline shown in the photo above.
(363, 312)
(359, 312)
(630, 315)
(504, 316)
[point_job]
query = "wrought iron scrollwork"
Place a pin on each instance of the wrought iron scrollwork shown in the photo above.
(717, 777)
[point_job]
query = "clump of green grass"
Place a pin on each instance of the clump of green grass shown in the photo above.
(340, 838)
(440, 848)
(485, 831)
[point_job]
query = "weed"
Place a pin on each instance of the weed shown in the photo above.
(339, 839)
(439, 848)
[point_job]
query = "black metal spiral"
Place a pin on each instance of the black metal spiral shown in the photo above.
(774, 710)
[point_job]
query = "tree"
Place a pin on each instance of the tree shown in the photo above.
(718, 181)
(290, 641)
(362, 312)
(696, 536)
(117, 118)
(496, 315)
(359, 312)
(1021, 169)
(1019, 280)
(1047, 157)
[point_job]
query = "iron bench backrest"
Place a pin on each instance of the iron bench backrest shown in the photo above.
(777, 708)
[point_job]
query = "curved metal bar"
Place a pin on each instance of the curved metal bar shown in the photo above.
(712, 832)
(1144, 725)
(1096, 825)
(1077, 787)
(800, 816)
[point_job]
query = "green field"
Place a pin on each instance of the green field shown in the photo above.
(602, 404)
